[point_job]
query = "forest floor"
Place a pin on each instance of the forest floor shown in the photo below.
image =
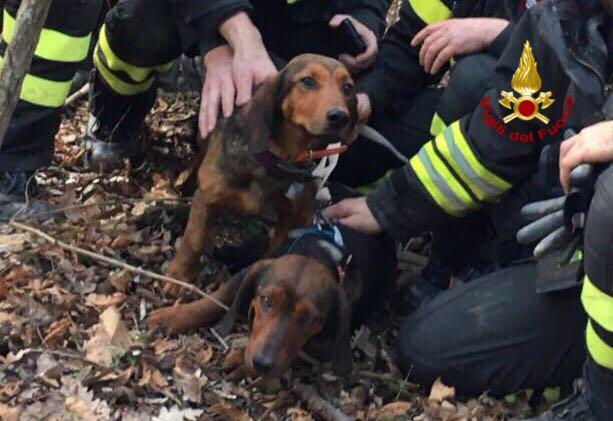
(73, 341)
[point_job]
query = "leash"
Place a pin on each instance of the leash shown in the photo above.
(312, 155)
(374, 136)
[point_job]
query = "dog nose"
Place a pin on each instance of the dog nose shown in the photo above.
(337, 118)
(262, 363)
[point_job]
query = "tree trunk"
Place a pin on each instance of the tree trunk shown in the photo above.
(30, 20)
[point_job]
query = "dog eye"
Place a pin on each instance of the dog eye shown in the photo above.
(347, 88)
(308, 82)
(265, 302)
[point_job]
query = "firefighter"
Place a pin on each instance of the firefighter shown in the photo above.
(496, 333)
(399, 95)
(63, 44)
(140, 39)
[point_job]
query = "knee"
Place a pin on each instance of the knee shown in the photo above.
(156, 45)
(417, 354)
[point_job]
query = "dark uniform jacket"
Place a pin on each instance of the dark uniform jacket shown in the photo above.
(288, 27)
(397, 73)
(470, 163)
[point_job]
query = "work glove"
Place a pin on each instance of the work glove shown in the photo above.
(557, 224)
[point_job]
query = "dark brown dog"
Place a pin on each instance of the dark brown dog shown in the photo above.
(297, 301)
(246, 165)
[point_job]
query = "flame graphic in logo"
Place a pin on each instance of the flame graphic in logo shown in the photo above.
(526, 81)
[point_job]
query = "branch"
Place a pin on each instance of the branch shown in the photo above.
(317, 404)
(30, 20)
(116, 263)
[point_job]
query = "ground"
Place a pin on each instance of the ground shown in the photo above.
(73, 341)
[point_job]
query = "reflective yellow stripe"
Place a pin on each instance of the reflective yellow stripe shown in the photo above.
(430, 186)
(597, 304)
(449, 178)
(437, 125)
(52, 45)
(430, 11)
(136, 73)
(600, 351)
(118, 85)
(44, 92)
(472, 160)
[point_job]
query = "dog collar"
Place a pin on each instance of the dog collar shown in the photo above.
(277, 167)
(330, 241)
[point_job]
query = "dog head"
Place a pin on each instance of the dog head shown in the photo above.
(307, 105)
(288, 301)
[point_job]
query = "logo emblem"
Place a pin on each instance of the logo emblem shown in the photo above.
(526, 81)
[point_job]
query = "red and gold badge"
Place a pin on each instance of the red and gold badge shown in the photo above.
(526, 81)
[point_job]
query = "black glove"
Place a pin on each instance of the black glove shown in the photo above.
(557, 224)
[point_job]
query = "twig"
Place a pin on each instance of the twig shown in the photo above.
(318, 404)
(116, 263)
(404, 383)
(77, 95)
(220, 339)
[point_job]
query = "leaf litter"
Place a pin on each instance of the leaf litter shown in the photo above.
(73, 342)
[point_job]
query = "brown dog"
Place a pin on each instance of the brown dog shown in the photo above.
(305, 298)
(247, 162)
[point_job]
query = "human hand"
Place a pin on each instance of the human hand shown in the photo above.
(364, 60)
(218, 87)
(592, 145)
(354, 213)
(443, 40)
(251, 64)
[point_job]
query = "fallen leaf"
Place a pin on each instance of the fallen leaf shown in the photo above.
(204, 355)
(121, 280)
(109, 338)
(299, 414)
(57, 332)
(9, 414)
(440, 391)
(234, 358)
(187, 380)
(177, 414)
(121, 241)
(152, 378)
(103, 301)
(13, 242)
(229, 413)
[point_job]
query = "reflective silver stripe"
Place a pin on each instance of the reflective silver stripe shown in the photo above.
(440, 183)
(457, 156)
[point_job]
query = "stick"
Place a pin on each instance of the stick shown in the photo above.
(318, 404)
(28, 25)
(116, 263)
(77, 95)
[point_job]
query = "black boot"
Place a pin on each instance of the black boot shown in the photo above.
(114, 127)
(576, 407)
(13, 199)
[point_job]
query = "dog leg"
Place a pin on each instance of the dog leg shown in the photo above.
(185, 317)
(193, 244)
(294, 214)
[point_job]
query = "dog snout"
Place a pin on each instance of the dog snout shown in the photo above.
(337, 118)
(262, 363)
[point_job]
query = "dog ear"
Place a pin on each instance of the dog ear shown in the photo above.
(341, 354)
(258, 116)
(249, 281)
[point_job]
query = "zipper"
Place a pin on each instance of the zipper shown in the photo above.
(589, 66)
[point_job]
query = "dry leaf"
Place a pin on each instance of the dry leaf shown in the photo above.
(110, 338)
(229, 413)
(234, 358)
(57, 332)
(177, 414)
(152, 378)
(204, 355)
(391, 411)
(187, 380)
(13, 242)
(104, 301)
(9, 414)
(440, 391)
(121, 280)
(121, 241)
(299, 414)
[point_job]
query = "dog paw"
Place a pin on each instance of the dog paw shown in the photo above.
(173, 318)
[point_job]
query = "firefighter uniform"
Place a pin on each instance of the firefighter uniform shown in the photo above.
(404, 109)
(64, 42)
(140, 39)
(507, 336)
